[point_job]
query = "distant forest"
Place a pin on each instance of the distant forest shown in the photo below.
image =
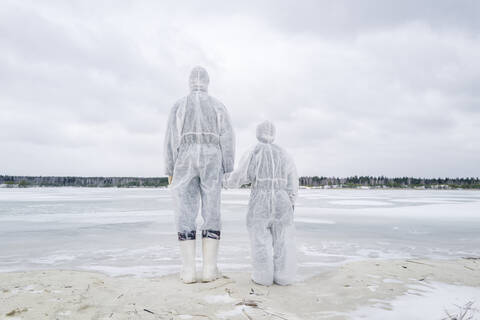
(384, 182)
(120, 182)
(314, 182)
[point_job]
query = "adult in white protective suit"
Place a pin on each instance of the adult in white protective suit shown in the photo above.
(199, 150)
(274, 187)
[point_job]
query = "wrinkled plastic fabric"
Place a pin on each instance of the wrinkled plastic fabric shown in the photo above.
(199, 149)
(274, 187)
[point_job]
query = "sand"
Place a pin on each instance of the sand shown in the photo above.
(335, 294)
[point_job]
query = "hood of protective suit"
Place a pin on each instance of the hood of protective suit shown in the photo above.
(266, 132)
(199, 79)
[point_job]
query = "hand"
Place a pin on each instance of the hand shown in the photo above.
(170, 180)
(224, 181)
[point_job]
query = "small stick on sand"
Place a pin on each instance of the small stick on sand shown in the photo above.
(411, 261)
(220, 285)
(272, 313)
(200, 315)
(254, 304)
(466, 312)
(249, 303)
(149, 311)
(246, 314)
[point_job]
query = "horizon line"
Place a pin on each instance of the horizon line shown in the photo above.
(300, 176)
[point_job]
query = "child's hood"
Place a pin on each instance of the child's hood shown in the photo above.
(266, 132)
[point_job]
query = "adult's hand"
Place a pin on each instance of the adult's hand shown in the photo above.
(169, 179)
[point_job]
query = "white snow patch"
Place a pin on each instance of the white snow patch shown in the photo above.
(218, 299)
(425, 302)
(392, 281)
(231, 313)
(319, 221)
(64, 313)
(360, 203)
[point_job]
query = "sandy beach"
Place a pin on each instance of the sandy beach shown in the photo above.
(364, 289)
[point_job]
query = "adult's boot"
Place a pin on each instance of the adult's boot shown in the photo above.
(187, 251)
(210, 252)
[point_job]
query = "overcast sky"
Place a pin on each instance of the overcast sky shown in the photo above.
(354, 87)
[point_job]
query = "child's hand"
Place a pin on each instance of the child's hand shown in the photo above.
(224, 181)
(224, 186)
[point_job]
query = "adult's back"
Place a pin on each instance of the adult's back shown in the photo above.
(199, 149)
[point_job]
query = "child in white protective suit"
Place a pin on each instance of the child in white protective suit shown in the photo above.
(274, 187)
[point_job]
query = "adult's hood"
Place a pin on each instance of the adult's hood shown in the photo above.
(199, 79)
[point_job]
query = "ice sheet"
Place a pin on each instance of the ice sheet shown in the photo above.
(130, 231)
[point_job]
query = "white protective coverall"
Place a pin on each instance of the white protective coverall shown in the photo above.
(199, 149)
(274, 187)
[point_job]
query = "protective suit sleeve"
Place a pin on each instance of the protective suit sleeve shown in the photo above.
(292, 180)
(227, 142)
(244, 174)
(171, 142)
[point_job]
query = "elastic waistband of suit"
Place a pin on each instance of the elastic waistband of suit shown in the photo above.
(200, 138)
(270, 184)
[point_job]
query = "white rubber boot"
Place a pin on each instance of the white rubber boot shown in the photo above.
(210, 251)
(187, 251)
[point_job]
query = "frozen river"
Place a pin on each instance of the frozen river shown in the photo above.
(131, 231)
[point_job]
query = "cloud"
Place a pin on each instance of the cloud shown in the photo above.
(373, 88)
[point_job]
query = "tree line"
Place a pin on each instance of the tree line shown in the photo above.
(385, 182)
(314, 181)
(50, 181)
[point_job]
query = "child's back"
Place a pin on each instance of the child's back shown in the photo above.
(274, 180)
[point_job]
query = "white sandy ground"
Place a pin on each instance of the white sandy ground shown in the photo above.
(372, 289)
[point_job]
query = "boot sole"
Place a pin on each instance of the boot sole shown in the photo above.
(189, 282)
(210, 279)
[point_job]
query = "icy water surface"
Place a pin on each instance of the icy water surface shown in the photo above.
(131, 231)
